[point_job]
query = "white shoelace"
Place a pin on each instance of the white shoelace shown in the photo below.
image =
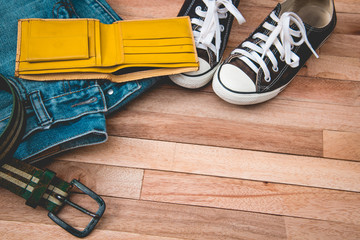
(284, 45)
(210, 27)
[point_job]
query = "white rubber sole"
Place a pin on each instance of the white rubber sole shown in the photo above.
(242, 98)
(193, 82)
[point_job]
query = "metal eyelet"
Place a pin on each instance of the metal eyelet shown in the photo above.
(198, 8)
(268, 79)
(282, 58)
(222, 28)
(275, 69)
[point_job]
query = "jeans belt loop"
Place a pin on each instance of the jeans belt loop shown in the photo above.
(40, 109)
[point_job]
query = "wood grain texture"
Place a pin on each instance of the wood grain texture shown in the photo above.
(323, 90)
(183, 164)
(21, 230)
(132, 219)
(277, 112)
(251, 196)
(300, 229)
(343, 68)
(216, 132)
(267, 127)
(216, 161)
(345, 49)
(344, 145)
(102, 179)
(160, 219)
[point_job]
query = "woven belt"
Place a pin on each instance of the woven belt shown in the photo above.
(39, 187)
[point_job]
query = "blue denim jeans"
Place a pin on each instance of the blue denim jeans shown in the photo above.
(61, 115)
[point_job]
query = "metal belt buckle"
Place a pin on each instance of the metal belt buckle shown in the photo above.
(95, 216)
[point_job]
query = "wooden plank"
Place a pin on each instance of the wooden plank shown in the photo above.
(342, 68)
(215, 161)
(349, 6)
(216, 132)
(126, 152)
(320, 90)
(262, 197)
(129, 219)
(102, 179)
(303, 229)
(277, 112)
(269, 126)
(136, 9)
(341, 45)
(343, 145)
(347, 23)
(268, 167)
(10, 230)
(317, 115)
(159, 219)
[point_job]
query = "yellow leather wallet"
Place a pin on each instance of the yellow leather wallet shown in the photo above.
(66, 49)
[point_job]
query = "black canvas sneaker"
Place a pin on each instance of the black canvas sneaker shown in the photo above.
(265, 63)
(211, 23)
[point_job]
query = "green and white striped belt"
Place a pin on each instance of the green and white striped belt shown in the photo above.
(39, 187)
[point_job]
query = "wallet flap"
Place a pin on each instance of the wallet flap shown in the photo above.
(56, 40)
(43, 49)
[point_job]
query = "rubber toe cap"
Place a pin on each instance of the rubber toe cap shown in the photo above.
(234, 79)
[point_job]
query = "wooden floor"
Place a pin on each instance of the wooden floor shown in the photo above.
(183, 164)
